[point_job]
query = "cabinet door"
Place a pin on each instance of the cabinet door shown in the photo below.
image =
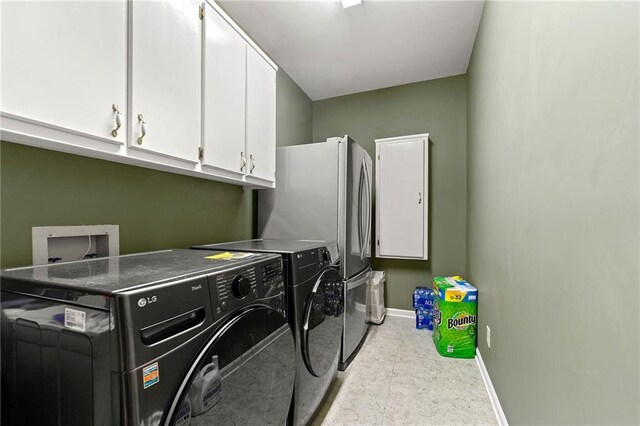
(261, 118)
(224, 95)
(401, 199)
(165, 77)
(64, 65)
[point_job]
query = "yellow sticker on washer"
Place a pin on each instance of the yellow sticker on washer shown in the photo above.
(229, 256)
(225, 255)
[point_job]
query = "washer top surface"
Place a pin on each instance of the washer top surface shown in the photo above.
(268, 246)
(121, 273)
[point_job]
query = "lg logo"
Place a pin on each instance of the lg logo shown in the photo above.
(142, 302)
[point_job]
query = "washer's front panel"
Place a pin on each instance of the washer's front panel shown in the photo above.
(202, 333)
(244, 374)
(322, 327)
(319, 305)
(162, 318)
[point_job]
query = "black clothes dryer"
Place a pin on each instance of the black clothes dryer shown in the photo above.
(175, 338)
(315, 305)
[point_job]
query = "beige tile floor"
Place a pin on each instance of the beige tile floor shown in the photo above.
(398, 378)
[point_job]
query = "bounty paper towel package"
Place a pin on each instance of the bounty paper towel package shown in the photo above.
(455, 317)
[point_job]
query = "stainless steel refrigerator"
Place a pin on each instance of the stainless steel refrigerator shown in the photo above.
(323, 192)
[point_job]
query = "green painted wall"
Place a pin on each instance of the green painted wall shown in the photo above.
(294, 112)
(155, 210)
(439, 108)
(553, 220)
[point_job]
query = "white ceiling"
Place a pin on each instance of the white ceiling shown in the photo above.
(330, 51)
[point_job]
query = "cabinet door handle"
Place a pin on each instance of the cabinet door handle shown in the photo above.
(253, 163)
(115, 109)
(243, 161)
(419, 197)
(143, 128)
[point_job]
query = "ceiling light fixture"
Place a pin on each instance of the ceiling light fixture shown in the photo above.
(349, 3)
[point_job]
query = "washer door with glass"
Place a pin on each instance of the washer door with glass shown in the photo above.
(322, 327)
(243, 375)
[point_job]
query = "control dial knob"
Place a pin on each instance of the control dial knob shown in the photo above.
(241, 287)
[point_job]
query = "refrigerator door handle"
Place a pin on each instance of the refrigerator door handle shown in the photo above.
(367, 238)
(359, 280)
(361, 210)
(360, 218)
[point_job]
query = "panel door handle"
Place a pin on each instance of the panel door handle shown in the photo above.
(118, 118)
(419, 197)
(143, 128)
(368, 238)
(243, 161)
(361, 218)
(253, 163)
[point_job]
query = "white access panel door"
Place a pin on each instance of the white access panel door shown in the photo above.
(261, 118)
(401, 197)
(165, 77)
(224, 95)
(63, 65)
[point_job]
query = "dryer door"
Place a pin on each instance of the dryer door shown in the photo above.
(322, 327)
(243, 375)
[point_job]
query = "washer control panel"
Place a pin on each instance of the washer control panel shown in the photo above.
(238, 287)
(307, 263)
(241, 287)
(324, 257)
(328, 255)
(272, 275)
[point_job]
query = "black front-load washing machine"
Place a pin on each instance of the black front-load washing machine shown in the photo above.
(175, 337)
(315, 306)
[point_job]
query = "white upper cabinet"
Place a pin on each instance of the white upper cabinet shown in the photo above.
(173, 85)
(165, 79)
(402, 197)
(239, 116)
(224, 79)
(64, 70)
(261, 119)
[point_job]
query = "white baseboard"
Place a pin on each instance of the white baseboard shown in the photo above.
(493, 397)
(402, 313)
